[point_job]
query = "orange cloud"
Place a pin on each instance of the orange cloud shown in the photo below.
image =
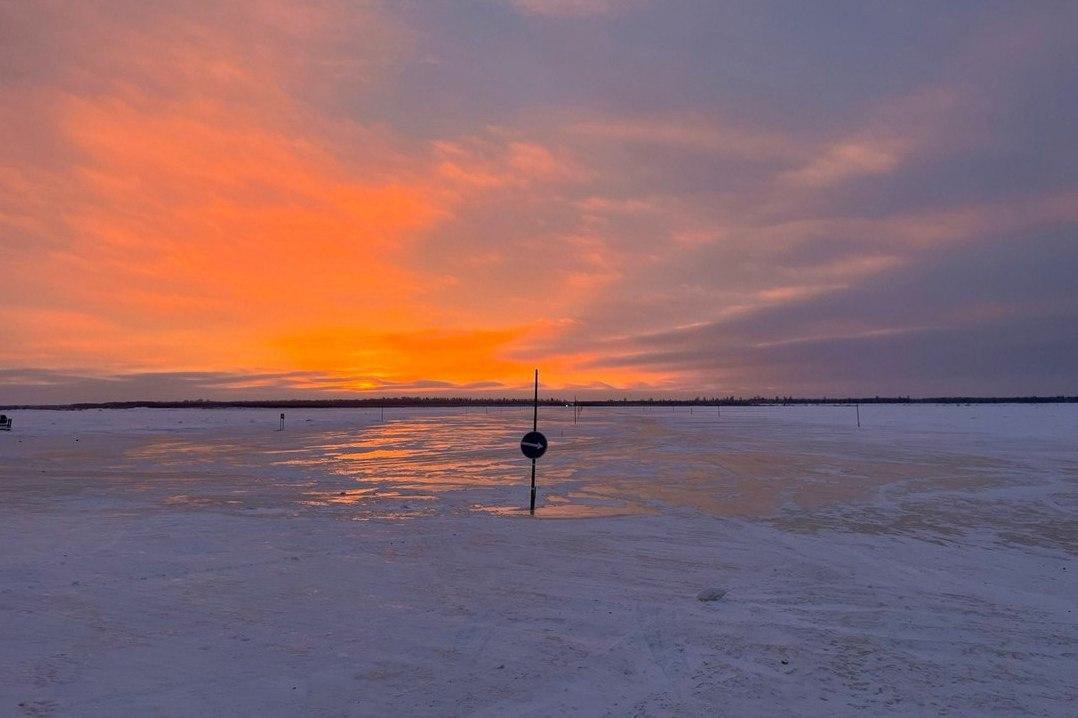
(193, 216)
(197, 219)
(458, 355)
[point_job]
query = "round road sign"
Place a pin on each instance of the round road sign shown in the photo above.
(533, 445)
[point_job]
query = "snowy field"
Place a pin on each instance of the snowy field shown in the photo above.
(199, 562)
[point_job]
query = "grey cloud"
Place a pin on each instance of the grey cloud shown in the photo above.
(45, 386)
(996, 314)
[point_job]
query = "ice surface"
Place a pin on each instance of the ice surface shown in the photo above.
(199, 562)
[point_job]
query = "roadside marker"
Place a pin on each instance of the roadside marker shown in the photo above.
(534, 444)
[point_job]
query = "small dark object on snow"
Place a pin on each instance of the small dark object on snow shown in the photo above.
(710, 594)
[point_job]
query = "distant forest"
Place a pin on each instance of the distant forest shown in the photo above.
(463, 401)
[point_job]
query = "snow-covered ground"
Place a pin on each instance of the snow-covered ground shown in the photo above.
(199, 562)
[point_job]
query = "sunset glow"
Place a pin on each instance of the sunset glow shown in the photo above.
(273, 199)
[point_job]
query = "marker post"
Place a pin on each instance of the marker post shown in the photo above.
(533, 444)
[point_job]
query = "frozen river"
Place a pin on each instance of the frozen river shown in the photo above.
(188, 562)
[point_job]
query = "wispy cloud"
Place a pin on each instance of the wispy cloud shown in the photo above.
(571, 8)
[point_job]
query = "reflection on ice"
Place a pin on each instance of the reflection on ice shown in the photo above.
(354, 496)
(555, 510)
(808, 467)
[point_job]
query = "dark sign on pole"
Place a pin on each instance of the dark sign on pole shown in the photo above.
(533, 444)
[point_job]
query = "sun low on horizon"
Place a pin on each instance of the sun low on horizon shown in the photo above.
(242, 200)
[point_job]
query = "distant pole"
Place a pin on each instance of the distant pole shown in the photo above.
(858, 415)
(282, 422)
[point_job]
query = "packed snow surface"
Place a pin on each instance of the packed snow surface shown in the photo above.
(201, 562)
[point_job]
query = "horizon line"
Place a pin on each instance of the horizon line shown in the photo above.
(411, 401)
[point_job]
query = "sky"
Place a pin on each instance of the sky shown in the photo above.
(273, 199)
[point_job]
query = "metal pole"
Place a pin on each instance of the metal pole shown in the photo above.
(858, 416)
(535, 427)
(531, 505)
